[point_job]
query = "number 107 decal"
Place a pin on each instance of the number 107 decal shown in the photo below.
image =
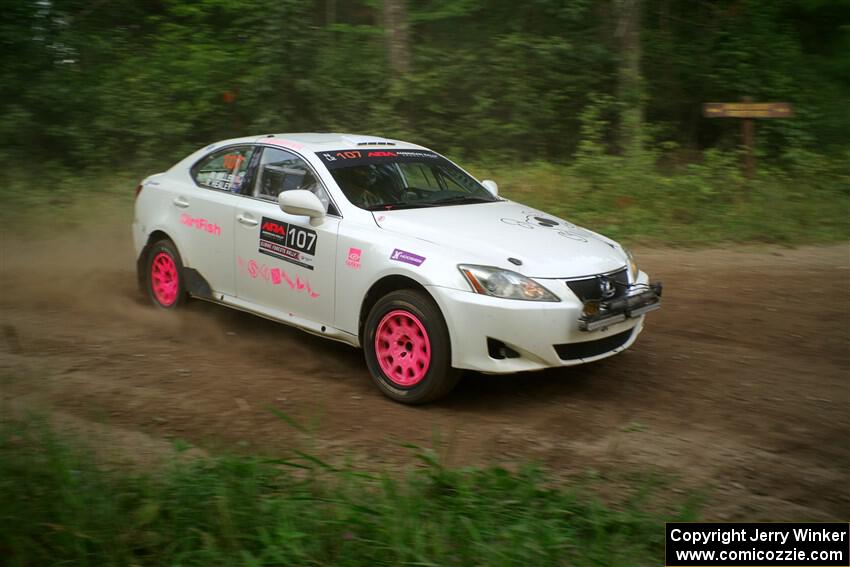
(289, 242)
(301, 239)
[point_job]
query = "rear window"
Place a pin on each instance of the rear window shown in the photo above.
(225, 169)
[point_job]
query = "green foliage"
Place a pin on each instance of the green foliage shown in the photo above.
(632, 199)
(58, 507)
(88, 88)
(707, 202)
(765, 49)
(121, 83)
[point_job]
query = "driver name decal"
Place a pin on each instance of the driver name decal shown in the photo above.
(288, 242)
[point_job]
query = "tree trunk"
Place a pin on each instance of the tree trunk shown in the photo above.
(630, 88)
(398, 42)
(330, 12)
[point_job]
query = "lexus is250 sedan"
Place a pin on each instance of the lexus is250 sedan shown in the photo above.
(388, 246)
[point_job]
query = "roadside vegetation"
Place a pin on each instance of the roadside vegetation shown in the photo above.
(591, 109)
(705, 203)
(631, 200)
(60, 507)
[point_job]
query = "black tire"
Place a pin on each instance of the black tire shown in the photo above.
(440, 377)
(156, 250)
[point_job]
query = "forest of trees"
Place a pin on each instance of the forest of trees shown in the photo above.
(91, 83)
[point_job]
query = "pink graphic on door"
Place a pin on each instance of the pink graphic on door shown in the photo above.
(353, 260)
(200, 224)
(274, 276)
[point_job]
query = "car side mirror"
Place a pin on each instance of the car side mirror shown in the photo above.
(491, 186)
(302, 202)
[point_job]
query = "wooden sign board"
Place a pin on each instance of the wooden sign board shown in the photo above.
(747, 110)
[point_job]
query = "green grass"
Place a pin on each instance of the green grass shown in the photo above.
(634, 201)
(698, 204)
(58, 507)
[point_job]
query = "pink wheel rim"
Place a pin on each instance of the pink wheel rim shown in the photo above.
(403, 348)
(164, 279)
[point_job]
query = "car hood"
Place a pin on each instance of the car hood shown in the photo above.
(490, 233)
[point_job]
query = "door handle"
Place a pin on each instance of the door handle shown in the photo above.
(181, 202)
(247, 220)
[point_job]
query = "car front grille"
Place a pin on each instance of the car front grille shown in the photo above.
(587, 349)
(591, 288)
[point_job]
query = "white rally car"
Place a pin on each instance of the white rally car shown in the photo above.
(390, 246)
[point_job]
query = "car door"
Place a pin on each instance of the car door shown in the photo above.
(283, 263)
(204, 209)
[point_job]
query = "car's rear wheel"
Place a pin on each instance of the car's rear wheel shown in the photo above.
(165, 285)
(407, 348)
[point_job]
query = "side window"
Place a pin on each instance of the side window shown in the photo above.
(436, 178)
(419, 176)
(456, 180)
(280, 171)
(225, 169)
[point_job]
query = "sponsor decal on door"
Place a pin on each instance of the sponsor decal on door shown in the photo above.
(288, 242)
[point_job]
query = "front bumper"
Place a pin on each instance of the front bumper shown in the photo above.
(501, 336)
(607, 313)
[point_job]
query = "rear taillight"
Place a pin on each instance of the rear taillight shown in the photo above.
(138, 190)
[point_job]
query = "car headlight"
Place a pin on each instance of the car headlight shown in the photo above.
(633, 267)
(497, 282)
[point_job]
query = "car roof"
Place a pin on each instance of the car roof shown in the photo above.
(318, 141)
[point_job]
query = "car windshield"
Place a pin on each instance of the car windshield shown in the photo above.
(402, 179)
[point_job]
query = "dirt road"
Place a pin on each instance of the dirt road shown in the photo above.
(739, 385)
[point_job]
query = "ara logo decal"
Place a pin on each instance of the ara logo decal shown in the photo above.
(275, 227)
(407, 257)
(345, 158)
(353, 260)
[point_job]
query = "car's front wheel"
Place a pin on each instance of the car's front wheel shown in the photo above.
(407, 348)
(165, 285)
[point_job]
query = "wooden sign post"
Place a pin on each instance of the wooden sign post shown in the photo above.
(747, 110)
